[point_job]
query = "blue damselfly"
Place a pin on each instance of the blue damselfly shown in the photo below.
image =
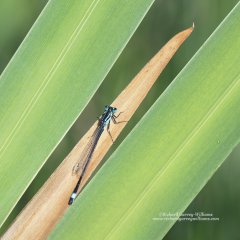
(103, 121)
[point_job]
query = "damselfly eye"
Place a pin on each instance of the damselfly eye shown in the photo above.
(106, 108)
(114, 109)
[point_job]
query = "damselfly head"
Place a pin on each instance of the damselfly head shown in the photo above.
(112, 109)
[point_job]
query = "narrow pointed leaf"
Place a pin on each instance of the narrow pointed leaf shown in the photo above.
(51, 78)
(59, 186)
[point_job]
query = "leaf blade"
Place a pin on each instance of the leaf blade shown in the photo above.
(35, 94)
(40, 208)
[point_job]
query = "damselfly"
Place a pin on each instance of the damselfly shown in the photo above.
(104, 121)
